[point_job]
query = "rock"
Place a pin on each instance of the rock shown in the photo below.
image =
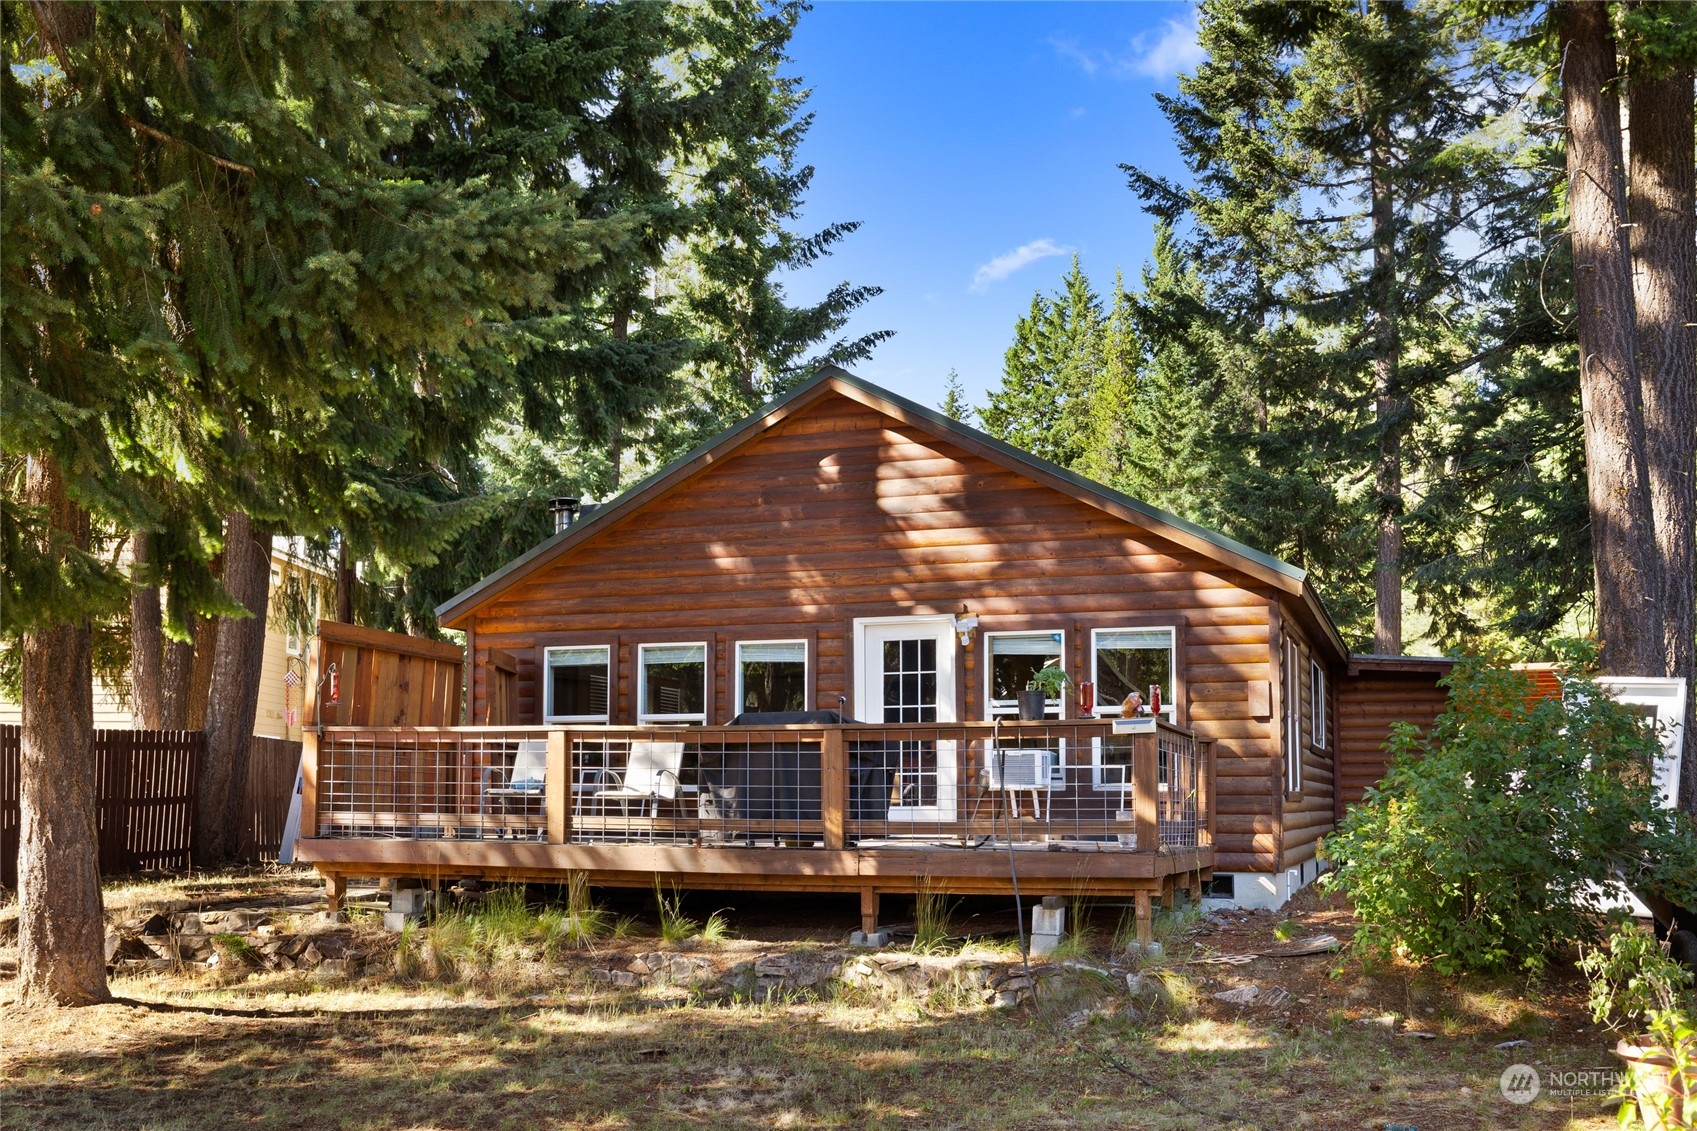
(311, 956)
(333, 968)
(624, 979)
(187, 923)
(1243, 995)
(1420, 1033)
(1512, 1045)
(1005, 999)
(293, 945)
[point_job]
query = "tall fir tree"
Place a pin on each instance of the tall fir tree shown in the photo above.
(209, 288)
(955, 405)
(1043, 404)
(1334, 214)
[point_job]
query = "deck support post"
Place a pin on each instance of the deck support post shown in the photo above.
(557, 787)
(1145, 917)
(335, 890)
(869, 910)
(1145, 775)
(833, 788)
(309, 777)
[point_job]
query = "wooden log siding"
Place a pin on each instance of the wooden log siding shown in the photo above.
(1369, 704)
(840, 511)
(1310, 812)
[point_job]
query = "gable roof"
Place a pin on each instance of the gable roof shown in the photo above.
(1282, 576)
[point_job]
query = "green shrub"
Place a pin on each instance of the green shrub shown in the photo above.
(1484, 846)
(1633, 979)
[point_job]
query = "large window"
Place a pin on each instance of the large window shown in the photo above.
(576, 685)
(672, 683)
(1014, 658)
(1124, 659)
(771, 675)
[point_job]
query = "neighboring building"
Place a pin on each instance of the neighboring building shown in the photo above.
(279, 713)
(845, 546)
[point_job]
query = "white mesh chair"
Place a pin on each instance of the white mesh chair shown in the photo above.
(525, 779)
(651, 776)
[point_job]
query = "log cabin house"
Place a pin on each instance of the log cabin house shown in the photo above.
(845, 549)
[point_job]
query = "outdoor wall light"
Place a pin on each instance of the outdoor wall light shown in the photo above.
(966, 626)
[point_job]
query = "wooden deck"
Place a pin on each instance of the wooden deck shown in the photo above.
(873, 809)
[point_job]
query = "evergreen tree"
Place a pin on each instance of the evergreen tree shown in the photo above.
(955, 406)
(1334, 216)
(218, 296)
(1043, 405)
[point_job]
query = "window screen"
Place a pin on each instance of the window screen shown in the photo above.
(674, 683)
(1014, 659)
(772, 675)
(577, 684)
(1133, 658)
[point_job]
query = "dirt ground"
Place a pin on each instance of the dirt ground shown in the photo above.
(542, 1044)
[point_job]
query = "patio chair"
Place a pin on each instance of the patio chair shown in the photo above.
(525, 778)
(651, 776)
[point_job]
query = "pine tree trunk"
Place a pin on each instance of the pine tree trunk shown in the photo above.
(1389, 410)
(146, 641)
(176, 671)
(1623, 544)
(234, 699)
(61, 931)
(344, 582)
(201, 663)
(1662, 207)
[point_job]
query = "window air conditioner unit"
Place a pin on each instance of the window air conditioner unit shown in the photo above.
(1020, 769)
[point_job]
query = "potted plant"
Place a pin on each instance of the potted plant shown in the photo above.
(1048, 682)
(1638, 987)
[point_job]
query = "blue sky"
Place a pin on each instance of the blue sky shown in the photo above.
(979, 145)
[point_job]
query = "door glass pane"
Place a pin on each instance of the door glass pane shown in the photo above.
(910, 681)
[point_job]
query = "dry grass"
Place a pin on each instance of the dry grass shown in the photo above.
(558, 1051)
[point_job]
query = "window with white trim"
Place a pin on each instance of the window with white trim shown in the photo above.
(1293, 718)
(671, 683)
(1014, 658)
(771, 675)
(1317, 703)
(1127, 659)
(575, 684)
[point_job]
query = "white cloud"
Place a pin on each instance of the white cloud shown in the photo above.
(1149, 55)
(1002, 266)
(1177, 50)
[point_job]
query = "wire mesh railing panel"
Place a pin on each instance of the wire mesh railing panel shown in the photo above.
(403, 784)
(698, 786)
(1058, 785)
(1179, 796)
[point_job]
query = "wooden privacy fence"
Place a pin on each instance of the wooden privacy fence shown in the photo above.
(147, 782)
(385, 679)
(265, 804)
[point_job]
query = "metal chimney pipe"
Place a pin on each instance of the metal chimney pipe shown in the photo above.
(564, 510)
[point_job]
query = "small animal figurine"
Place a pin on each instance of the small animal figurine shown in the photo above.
(1133, 705)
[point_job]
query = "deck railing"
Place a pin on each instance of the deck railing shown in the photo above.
(1055, 784)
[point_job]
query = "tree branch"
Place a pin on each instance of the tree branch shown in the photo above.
(167, 139)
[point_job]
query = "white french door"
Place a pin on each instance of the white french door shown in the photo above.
(905, 673)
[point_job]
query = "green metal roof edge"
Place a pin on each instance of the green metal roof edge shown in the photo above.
(580, 531)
